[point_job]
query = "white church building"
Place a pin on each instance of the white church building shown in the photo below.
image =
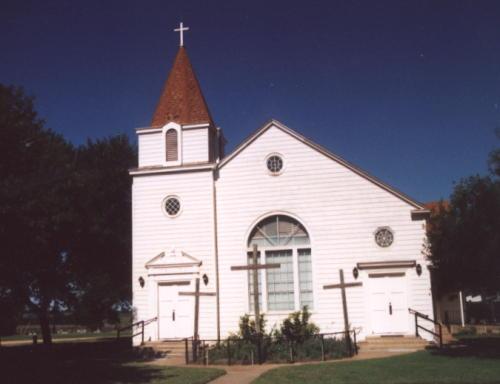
(197, 212)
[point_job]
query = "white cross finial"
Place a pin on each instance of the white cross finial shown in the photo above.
(181, 30)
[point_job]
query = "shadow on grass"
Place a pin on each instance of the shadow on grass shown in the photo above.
(100, 362)
(481, 347)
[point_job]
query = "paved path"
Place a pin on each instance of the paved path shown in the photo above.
(243, 374)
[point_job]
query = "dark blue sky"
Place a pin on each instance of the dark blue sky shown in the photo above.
(409, 91)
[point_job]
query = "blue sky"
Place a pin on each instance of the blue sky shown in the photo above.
(407, 90)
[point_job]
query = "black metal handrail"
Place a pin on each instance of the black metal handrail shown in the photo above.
(438, 335)
(141, 323)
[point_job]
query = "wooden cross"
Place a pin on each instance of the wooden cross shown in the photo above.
(343, 285)
(196, 295)
(181, 30)
(255, 267)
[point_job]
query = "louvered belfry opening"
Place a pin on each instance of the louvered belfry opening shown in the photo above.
(171, 145)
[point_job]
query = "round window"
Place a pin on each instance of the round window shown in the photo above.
(384, 237)
(274, 164)
(172, 206)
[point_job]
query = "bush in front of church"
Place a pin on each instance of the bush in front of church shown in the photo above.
(297, 328)
(297, 339)
(248, 330)
(241, 347)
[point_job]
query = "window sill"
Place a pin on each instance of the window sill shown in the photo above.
(282, 312)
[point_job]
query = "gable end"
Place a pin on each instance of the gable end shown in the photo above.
(274, 123)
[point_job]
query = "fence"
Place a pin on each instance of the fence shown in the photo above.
(235, 350)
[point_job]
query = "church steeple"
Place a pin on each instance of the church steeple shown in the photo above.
(181, 101)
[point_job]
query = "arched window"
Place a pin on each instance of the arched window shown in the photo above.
(282, 239)
(171, 145)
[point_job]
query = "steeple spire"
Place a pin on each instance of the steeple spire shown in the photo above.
(181, 100)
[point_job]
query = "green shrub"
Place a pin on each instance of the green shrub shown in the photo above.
(297, 328)
(297, 339)
(240, 352)
(247, 330)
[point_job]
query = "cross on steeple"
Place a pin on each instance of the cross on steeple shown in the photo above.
(181, 30)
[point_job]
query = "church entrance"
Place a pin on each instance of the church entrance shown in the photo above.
(388, 302)
(174, 311)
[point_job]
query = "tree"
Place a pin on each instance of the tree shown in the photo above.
(494, 158)
(65, 230)
(100, 251)
(35, 170)
(465, 235)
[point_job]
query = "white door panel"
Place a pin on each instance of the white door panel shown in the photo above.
(175, 313)
(388, 303)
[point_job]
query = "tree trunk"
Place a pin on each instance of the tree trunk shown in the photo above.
(43, 317)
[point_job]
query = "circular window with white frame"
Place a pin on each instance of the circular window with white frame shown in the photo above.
(384, 237)
(172, 206)
(274, 164)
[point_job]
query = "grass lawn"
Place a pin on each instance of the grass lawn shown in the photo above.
(477, 362)
(61, 336)
(99, 362)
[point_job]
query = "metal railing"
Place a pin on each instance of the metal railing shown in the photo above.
(141, 324)
(438, 334)
(321, 346)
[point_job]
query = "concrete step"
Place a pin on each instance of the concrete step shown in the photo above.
(391, 348)
(393, 343)
(385, 340)
(166, 346)
(170, 349)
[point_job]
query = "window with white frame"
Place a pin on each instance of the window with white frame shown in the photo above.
(305, 277)
(282, 240)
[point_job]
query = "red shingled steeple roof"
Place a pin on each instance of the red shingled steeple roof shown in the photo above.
(181, 100)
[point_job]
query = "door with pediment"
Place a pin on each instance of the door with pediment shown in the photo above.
(175, 312)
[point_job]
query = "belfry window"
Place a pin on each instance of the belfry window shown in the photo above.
(171, 145)
(283, 240)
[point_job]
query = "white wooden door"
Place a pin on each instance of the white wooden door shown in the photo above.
(388, 300)
(175, 313)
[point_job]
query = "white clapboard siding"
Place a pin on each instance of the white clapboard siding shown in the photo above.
(151, 149)
(195, 145)
(340, 210)
(154, 232)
